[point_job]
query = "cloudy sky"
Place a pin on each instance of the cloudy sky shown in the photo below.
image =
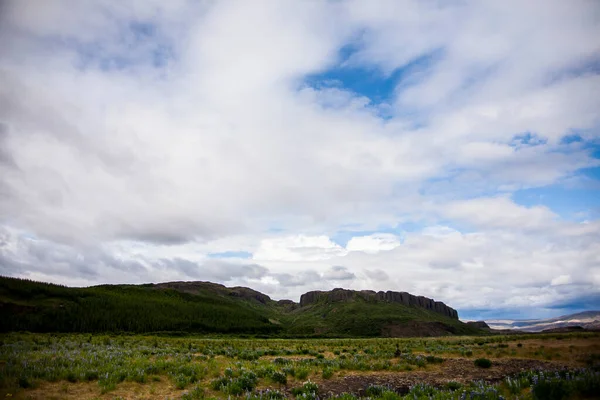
(448, 149)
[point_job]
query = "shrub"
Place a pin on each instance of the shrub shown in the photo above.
(422, 390)
(195, 394)
(247, 380)
(483, 363)
(517, 384)
(434, 359)
(551, 390)
(375, 390)
(24, 383)
(219, 383)
(302, 372)
(266, 395)
(91, 375)
(308, 389)
(181, 381)
(71, 377)
(345, 396)
(279, 377)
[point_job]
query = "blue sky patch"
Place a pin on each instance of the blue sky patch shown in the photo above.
(369, 81)
(527, 139)
(575, 204)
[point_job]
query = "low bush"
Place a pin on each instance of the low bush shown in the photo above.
(327, 373)
(302, 373)
(279, 377)
(483, 363)
(308, 391)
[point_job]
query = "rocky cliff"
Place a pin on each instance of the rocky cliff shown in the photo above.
(405, 298)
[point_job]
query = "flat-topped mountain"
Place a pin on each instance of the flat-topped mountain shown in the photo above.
(206, 307)
(332, 296)
(404, 298)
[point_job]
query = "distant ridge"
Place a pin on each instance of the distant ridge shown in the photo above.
(208, 308)
(589, 320)
(335, 295)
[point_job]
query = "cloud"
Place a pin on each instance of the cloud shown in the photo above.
(300, 279)
(561, 280)
(373, 243)
(339, 273)
(298, 248)
(498, 212)
(377, 275)
(160, 133)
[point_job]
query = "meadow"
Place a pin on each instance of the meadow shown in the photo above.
(85, 366)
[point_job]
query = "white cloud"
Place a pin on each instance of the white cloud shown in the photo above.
(297, 248)
(158, 133)
(498, 212)
(373, 243)
(561, 280)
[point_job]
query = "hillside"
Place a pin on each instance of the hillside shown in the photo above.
(353, 313)
(209, 308)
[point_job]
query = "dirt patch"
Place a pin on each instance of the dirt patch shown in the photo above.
(460, 370)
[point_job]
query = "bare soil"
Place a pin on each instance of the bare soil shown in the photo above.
(460, 370)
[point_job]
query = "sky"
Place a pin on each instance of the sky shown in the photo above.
(447, 149)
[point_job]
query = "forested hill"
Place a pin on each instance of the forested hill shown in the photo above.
(209, 308)
(42, 307)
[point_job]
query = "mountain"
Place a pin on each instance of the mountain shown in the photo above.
(210, 308)
(369, 313)
(586, 320)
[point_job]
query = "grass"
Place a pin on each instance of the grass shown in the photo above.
(109, 366)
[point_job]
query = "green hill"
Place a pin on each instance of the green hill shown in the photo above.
(209, 308)
(41, 307)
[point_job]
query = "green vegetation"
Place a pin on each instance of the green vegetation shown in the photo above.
(146, 346)
(363, 318)
(40, 307)
(206, 308)
(196, 368)
(565, 384)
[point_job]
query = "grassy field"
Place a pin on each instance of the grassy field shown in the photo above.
(77, 366)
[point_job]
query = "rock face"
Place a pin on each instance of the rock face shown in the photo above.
(479, 324)
(288, 305)
(405, 298)
(247, 293)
